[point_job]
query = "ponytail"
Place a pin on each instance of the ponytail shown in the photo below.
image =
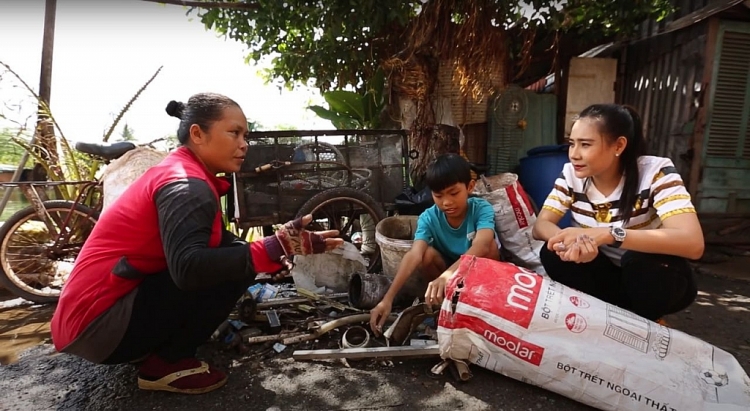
(629, 165)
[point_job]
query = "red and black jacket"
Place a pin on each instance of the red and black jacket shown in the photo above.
(169, 219)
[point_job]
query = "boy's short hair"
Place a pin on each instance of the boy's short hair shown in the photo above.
(447, 170)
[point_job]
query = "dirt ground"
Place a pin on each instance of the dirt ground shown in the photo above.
(40, 379)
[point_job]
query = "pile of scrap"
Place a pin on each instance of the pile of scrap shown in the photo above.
(271, 318)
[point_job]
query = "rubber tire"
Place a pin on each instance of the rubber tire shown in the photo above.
(344, 193)
(21, 216)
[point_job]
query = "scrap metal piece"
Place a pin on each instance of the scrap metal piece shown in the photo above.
(271, 338)
(317, 297)
(273, 319)
(369, 352)
(462, 370)
(407, 322)
(440, 367)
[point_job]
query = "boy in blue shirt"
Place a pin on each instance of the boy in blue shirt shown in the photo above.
(455, 225)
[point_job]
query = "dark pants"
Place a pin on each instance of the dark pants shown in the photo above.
(172, 323)
(650, 285)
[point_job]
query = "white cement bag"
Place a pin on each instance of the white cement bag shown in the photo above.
(123, 172)
(514, 218)
(525, 326)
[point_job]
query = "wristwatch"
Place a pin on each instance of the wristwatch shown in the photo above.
(618, 233)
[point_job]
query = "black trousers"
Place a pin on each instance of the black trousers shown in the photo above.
(173, 323)
(650, 285)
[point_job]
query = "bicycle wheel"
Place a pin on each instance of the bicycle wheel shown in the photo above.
(36, 263)
(351, 212)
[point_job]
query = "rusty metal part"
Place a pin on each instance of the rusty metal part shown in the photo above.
(463, 372)
(329, 326)
(398, 333)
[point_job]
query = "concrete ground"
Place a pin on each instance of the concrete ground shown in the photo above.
(40, 379)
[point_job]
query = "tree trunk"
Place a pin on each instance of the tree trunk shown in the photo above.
(427, 143)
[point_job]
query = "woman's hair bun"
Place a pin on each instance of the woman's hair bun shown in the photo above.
(175, 109)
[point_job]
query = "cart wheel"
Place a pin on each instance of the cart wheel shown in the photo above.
(354, 213)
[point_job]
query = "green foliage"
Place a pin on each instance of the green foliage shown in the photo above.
(333, 44)
(10, 154)
(127, 134)
(351, 110)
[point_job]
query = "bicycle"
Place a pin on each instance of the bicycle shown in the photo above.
(39, 243)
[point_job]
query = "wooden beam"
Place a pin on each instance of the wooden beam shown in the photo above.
(703, 115)
(374, 352)
(209, 4)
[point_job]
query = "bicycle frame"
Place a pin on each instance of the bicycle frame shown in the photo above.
(87, 191)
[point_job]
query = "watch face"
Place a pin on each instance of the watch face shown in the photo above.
(619, 233)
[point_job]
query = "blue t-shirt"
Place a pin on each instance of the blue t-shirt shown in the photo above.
(433, 228)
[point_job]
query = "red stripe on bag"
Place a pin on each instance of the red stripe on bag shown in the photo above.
(517, 209)
(525, 198)
(524, 350)
(500, 289)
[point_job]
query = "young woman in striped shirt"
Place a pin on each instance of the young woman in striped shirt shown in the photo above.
(634, 225)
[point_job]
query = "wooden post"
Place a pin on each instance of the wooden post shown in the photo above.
(47, 140)
(699, 130)
(45, 81)
(45, 88)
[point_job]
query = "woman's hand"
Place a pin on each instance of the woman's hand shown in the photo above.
(295, 240)
(563, 240)
(584, 250)
(292, 239)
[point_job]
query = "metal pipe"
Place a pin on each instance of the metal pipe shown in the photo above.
(355, 337)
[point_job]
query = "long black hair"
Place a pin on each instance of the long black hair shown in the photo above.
(617, 121)
(201, 109)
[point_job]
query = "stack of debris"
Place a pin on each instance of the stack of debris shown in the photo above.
(270, 318)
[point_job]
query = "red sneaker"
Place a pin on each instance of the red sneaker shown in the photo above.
(186, 376)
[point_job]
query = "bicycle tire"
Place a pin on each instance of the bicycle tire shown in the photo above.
(347, 194)
(9, 277)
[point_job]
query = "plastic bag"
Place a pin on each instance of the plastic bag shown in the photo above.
(412, 202)
(527, 327)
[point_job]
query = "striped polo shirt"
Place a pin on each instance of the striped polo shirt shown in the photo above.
(662, 194)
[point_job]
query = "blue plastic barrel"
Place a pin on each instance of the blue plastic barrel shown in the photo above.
(538, 171)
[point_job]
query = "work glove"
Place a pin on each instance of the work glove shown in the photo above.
(293, 239)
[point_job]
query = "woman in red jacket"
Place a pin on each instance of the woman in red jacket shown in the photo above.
(159, 272)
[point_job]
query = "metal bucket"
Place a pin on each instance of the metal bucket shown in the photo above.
(366, 290)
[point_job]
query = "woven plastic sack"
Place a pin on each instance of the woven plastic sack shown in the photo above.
(527, 327)
(514, 218)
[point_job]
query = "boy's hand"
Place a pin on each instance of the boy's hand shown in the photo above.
(378, 315)
(436, 289)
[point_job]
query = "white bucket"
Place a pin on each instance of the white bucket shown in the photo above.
(395, 237)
